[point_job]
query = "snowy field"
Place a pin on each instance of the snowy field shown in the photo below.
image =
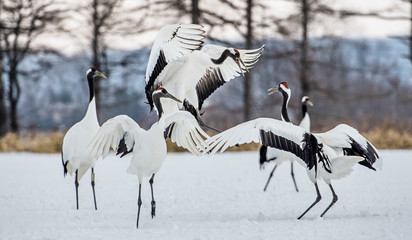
(210, 197)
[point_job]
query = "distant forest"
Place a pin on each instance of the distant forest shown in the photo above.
(365, 82)
(362, 82)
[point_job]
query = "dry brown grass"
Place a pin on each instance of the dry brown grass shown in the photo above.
(382, 138)
(390, 138)
(172, 147)
(32, 142)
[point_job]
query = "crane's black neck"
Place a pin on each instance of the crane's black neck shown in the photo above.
(158, 104)
(223, 57)
(90, 80)
(285, 106)
(304, 109)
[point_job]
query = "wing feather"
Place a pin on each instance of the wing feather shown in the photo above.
(269, 132)
(186, 132)
(352, 143)
(218, 75)
(172, 42)
(109, 136)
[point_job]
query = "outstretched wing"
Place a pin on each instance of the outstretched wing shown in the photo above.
(220, 74)
(183, 129)
(118, 133)
(172, 42)
(352, 143)
(279, 135)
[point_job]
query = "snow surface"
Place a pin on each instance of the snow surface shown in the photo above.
(210, 197)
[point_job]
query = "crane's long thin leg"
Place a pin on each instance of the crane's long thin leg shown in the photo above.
(318, 198)
(293, 176)
(139, 203)
(94, 194)
(334, 200)
(270, 177)
(76, 184)
(153, 201)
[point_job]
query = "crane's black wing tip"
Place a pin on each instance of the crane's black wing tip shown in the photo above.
(122, 148)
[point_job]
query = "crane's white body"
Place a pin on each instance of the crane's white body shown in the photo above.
(340, 166)
(76, 139)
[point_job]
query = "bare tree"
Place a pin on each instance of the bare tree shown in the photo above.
(195, 11)
(248, 79)
(108, 18)
(23, 22)
(3, 110)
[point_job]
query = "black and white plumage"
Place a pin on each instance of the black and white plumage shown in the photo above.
(348, 147)
(78, 136)
(171, 43)
(195, 75)
(346, 140)
(293, 142)
(328, 156)
(267, 154)
(148, 147)
(284, 137)
(341, 141)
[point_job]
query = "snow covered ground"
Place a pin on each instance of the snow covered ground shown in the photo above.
(210, 197)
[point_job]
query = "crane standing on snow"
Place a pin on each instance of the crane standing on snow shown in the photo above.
(148, 147)
(328, 156)
(78, 136)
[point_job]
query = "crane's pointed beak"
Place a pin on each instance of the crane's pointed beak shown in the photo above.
(273, 90)
(97, 73)
(168, 95)
(309, 103)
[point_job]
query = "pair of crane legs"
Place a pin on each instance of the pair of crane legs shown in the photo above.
(153, 210)
(318, 198)
(76, 183)
(139, 199)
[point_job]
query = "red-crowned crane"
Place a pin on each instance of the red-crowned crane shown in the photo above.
(78, 136)
(179, 63)
(148, 146)
(328, 156)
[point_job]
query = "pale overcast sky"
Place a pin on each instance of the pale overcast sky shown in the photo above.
(353, 27)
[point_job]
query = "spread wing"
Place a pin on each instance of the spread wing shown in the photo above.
(352, 143)
(279, 135)
(172, 42)
(220, 74)
(118, 133)
(183, 129)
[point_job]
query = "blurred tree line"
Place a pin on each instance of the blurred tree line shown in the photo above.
(352, 80)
